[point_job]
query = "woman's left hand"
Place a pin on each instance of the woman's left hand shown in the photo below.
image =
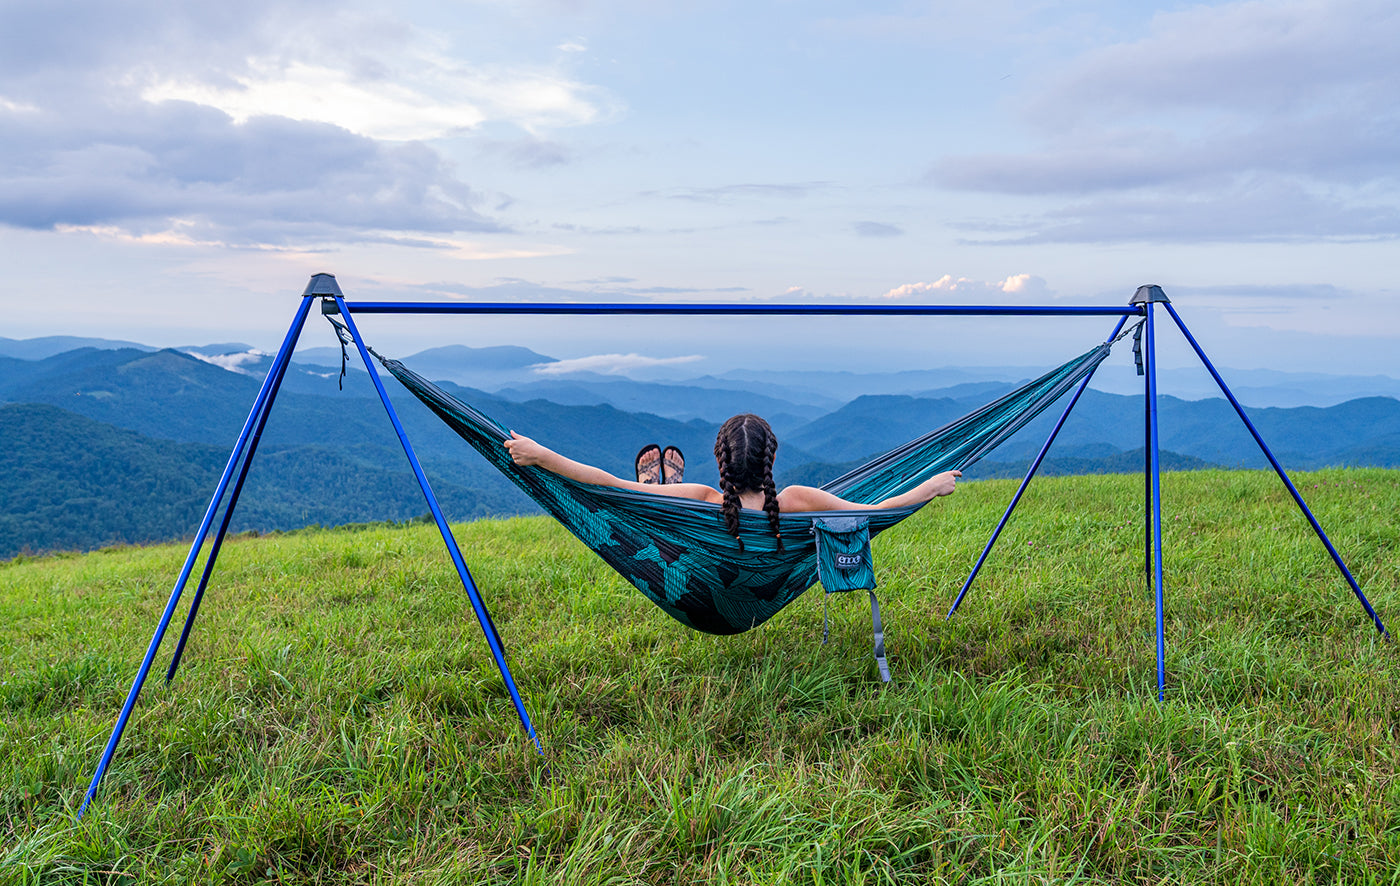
(945, 483)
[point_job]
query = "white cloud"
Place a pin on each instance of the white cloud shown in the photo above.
(877, 229)
(232, 362)
(1017, 284)
(610, 364)
(1022, 283)
(438, 97)
(172, 236)
(310, 92)
(14, 107)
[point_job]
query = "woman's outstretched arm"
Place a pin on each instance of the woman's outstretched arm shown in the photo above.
(809, 498)
(526, 452)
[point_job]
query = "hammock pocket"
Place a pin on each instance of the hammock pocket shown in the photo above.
(843, 553)
(676, 551)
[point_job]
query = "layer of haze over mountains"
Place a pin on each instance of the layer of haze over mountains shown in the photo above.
(105, 442)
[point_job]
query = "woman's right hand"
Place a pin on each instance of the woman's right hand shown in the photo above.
(524, 451)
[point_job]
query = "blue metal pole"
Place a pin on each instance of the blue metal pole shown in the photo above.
(260, 405)
(280, 368)
(478, 604)
(1278, 469)
(730, 309)
(1148, 403)
(1156, 463)
(1035, 466)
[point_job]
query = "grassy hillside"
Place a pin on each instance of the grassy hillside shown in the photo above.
(338, 720)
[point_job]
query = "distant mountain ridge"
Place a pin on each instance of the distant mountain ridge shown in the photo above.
(496, 367)
(681, 402)
(1263, 387)
(51, 345)
(1358, 432)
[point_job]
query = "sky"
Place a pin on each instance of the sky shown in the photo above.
(173, 173)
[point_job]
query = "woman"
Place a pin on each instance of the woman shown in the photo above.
(744, 450)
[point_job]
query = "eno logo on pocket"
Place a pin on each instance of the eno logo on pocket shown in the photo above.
(849, 561)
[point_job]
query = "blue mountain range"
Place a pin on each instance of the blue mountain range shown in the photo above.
(110, 442)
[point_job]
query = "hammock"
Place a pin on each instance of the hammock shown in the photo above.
(677, 552)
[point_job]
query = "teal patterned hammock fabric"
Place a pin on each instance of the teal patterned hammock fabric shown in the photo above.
(677, 552)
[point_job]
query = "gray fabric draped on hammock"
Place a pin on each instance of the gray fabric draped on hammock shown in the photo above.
(677, 552)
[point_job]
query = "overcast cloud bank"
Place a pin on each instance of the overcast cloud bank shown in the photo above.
(1238, 122)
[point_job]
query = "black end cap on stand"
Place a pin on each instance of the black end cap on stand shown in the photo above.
(323, 284)
(1148, 294)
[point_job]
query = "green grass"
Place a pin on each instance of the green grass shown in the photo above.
(337, 718)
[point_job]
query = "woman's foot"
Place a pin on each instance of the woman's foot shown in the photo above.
(672, 466)
(648, 464)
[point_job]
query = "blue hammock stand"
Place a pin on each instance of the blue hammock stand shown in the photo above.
(324, 288)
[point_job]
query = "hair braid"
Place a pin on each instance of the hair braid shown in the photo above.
(745, 448)
(770, 491)
(730, 507)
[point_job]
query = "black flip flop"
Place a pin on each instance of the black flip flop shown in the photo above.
(673, 465)
(637, 464)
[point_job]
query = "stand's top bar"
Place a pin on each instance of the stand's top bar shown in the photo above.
(390, 307)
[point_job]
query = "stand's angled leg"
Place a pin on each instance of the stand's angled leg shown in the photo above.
(1278, 469)
(1030, 474)
(261, 405)
(1148, 401)
(279, 368)
(1155, 461)
(478, 604)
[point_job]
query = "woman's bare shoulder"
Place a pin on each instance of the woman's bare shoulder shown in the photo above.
(697, 491)
(808, 498)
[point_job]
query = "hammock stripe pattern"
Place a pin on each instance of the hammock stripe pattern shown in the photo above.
(676, 551)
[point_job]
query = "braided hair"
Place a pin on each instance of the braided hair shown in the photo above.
(744, 450)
